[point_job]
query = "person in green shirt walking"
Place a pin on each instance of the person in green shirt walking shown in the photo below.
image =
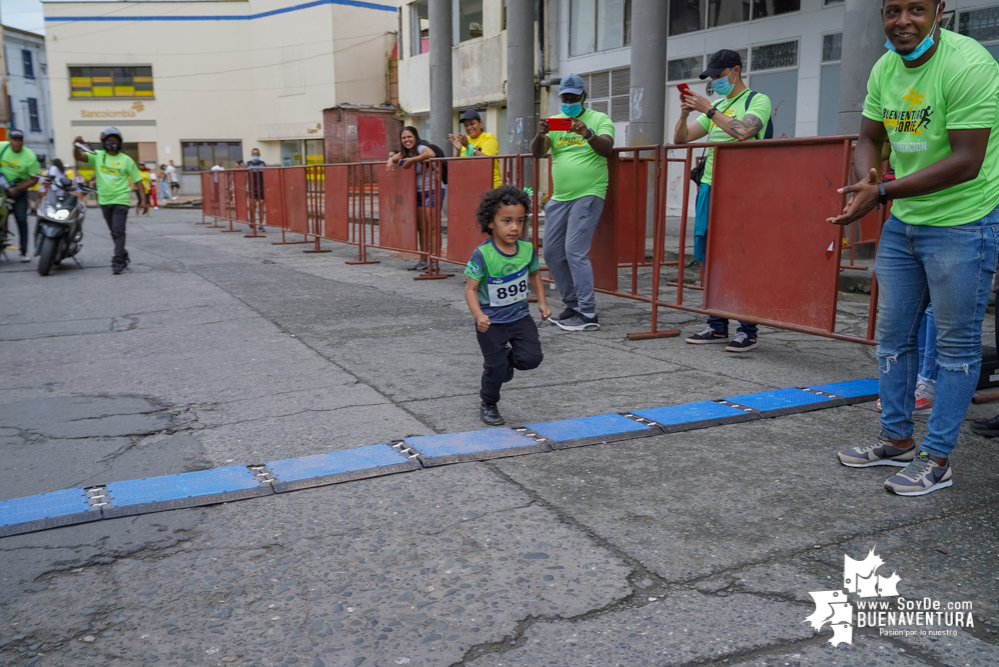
(19, 165)
(580, 177)
(741, 114)
(116, 173)
(935, 97)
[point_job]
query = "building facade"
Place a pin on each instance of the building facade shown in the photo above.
(205, 82)
(791, 50)
(28, 90)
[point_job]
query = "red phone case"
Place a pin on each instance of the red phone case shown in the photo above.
(684, 88)
(560, 124)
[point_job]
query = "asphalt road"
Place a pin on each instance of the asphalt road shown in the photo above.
(699, 547)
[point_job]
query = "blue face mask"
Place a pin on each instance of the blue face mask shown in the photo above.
(923, 47)
(572, 110)
(722, 86)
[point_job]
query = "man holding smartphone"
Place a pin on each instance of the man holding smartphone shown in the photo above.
(739, 115)
(579, 173)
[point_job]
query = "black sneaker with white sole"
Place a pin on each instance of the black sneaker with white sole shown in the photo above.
(741, 343)
(707, 337)
(579, 322)
(564, 315)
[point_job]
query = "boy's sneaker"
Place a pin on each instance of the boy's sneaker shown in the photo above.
(879, 453)
(564, 315)
(920, 477)
(707, 337)
(579, 322)
(924, 400)
(489, 413)
(742, 343)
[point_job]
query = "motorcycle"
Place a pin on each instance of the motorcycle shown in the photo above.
(60, 224)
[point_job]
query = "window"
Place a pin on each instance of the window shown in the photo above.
(470, 19)
(832, 52)
(111, 81)
(203, 155)
(29, 67)
(598, 25)
(609, 92)
(764, 8)
(980, 24)
(775, 56)
(685, 68)
(832, 47)
(833, 2)
(33, 120)
(692, 15)
(419, 19)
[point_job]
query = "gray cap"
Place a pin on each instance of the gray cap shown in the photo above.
(15, 134)
(572, 84)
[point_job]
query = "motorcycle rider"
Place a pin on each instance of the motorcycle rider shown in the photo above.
(113, 171)
(19, 165)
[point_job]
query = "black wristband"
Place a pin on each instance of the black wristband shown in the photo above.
(711, 112)
(882, 195)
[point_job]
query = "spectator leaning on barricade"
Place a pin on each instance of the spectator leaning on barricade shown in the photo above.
(740, 115)
(499, 273)
(476, 142)
(579, 174)
(19, 165)
(415, 152)
(255, 164)
(934, 97)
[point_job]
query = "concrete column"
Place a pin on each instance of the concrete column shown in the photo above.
(647, 113)
(441, 93)
(520, 74)
(863, 44)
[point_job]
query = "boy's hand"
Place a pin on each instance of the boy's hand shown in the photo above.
(482, 323)
(546, 312)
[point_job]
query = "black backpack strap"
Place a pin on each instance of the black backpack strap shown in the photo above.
(749, 99)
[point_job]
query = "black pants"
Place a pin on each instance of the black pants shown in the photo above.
(116, 215)
(523, 353)
(19, 207)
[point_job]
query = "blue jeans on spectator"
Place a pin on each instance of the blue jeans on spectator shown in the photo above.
(953, 268)
(928, 349)
(719, 324)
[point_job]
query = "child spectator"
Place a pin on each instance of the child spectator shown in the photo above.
(496, 293)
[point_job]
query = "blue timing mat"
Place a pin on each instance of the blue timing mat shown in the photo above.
(785, 402)
(592, 430)
(47, 510)
(853, 391)
(702, 414)
(189, 489)
(342, 466)
(491, 443)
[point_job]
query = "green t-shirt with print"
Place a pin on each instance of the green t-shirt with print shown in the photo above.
(113, 172)
(736, 108)
(956, 89)
(503, 280)
(577, 170)
(17, 166)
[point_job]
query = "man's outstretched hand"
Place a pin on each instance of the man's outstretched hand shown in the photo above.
(864, 200)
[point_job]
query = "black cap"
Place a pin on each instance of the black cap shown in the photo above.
(721, 61)
(471, 114)
(16, 134)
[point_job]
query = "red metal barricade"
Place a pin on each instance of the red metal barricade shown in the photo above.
(207, 201)
(465, 188)
(397, 206)
(336, 185)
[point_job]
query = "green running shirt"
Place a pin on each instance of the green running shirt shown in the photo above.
(503, 283)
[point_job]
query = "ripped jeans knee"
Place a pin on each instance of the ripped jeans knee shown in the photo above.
(886, 359)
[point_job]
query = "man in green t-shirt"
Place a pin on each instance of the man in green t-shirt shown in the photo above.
(115, 173)
(579, 174)
(935, 97)
(740, 115)
(19, 165)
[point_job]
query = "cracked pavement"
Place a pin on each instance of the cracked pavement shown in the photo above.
(692, 548)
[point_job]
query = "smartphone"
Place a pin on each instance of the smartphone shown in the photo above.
(560, 124)
(683, 88)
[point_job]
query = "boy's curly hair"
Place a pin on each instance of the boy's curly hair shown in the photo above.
(504, 195)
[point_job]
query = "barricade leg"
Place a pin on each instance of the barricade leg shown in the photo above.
(357, 213)
(317, 248)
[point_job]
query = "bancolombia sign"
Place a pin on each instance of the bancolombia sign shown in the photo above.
(114, 113)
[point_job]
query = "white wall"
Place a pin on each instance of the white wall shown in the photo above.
(21, 88)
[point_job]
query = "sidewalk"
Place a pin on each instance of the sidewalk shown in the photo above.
(215, 350)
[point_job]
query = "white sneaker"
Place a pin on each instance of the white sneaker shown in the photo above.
(156, 208)
(25, 258)
(924, 400)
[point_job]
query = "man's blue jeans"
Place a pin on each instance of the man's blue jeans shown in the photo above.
(953, 268)
(928, 348)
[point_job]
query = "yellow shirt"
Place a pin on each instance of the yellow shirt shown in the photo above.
(487, 143)
(145, 179)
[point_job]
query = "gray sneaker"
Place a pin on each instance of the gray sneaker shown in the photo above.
(579, 322)
(879, 453)
(920, 477)
(564, 315)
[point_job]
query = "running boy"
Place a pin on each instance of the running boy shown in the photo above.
(496, 293)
